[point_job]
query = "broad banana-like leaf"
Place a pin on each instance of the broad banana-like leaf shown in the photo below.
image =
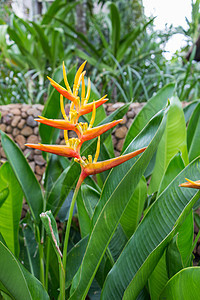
(184, 285)
(25, 176)
(159, 276)
(115, 196)
(20, 284)
(83, 216)
(133, 212)
(176, 165)
(161, 223)
(10, 211)
(188, 110)
(29, 252)
(173, 141)
(153, 106)
(179, 250)
(193, 134)
(3, 195)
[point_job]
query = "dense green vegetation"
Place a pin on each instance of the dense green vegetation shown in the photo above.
(127, 233)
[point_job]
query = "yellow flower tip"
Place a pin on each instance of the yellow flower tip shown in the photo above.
(191, 184)
(98, 150)
(78, 74)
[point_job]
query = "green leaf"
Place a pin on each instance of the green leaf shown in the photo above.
(158, 278)
(29, 184)
(173, 258)
(153, 106)
(133, 212)
(188, 110)
(42, 39)
(193, 134)
(184, 285)
(114, 198)
(51, 228)
(3, 195)
(185, 240)
(161, 223)
(129, 38)
(74, 258)
(20, 284)
(29, 252)
(83, 217)
(10, 211)
(173, 141)
(176, 165)
(115, 32)
(90, 197)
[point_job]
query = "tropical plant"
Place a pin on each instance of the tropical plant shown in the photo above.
(112, 253)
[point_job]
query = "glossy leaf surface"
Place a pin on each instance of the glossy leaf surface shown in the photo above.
(133, 212)
(140, 256)
(20, 284)
(193, 134)
(184, 285)
(29, 182)
(114, 198)
(153, 106)
(10, 211)
(173, 141)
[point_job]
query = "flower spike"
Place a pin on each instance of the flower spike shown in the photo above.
(61, 150)
(65, 79)
(98, 167)
(60, 124)
(87, 108)
(62, 90)
(77, 77)
(191, 184)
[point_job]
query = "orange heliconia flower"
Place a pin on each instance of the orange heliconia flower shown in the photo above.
(80, 106)
(191, 184)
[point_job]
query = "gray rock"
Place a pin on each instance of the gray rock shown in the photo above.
(31, 122)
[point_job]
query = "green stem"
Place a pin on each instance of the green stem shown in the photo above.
(62, 279)
(41, 254)
(66, 240)
(47, 263)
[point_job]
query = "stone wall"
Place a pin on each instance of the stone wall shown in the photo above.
(17, 120)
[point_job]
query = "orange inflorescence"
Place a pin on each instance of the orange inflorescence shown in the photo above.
(191, 184)
(80, 106)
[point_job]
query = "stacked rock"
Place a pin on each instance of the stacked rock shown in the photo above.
(17, 120)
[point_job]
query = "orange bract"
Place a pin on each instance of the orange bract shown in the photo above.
(80, 106)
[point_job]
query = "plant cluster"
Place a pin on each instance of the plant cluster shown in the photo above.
(124, 240)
